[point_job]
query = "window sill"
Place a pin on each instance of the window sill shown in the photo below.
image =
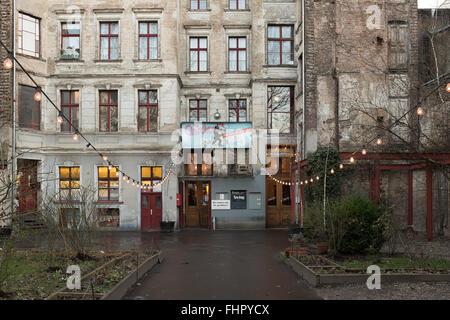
(236, 10)
(197, 72)
(29, 130)
(31, 57)
(147, 61)
(280, 66)
(237, 72)
(69, 61)
(108, 61)
(199, 10)
(108, 202)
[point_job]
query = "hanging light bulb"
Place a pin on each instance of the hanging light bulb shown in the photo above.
(134, 183)
(312, 180)
(59, 119)
(352, 160)
(379, 141)
(124, 178)
(301, 182)
(364, 152)
(332, 171)
(105, 158)
(128, 181)
(38, 95)
(75, 136)
(317, 178)
(306, 181)
(110, 167)
(420, 111)
(448, 87)
(8, 63)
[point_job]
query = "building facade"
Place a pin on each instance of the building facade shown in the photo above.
(134, 77)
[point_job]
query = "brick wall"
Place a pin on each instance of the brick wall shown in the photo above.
(5, 75)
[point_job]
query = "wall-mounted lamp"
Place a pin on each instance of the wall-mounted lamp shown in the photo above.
(217, 115)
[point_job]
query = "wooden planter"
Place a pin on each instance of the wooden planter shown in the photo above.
(322, 247)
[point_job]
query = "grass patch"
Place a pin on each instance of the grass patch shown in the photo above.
(401, 263)
(35, 275)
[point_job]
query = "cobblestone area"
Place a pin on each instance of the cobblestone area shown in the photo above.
(392, 291)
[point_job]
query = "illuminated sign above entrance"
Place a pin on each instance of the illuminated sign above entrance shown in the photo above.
(199, 135)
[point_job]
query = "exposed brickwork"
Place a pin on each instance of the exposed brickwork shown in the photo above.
(5, 75)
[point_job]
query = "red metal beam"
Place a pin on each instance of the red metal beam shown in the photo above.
(403, 166)
(410, 199)
(293, 202)
(429, 203)
(377, 179)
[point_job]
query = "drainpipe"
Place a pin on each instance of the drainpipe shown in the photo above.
(13, 133)
(303, 78)
(336, 109)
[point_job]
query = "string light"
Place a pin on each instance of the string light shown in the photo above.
(124, 178)
(8, 63)
(364, 152)
(332, 171)
(352, 160)
(306, 181)
(341, 166)
(448, 87)
(105, 158)
(59, 119)
(75, 136)
(420, 111)
(317, 178)
(379, 141)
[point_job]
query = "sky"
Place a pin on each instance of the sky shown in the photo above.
(432, 3)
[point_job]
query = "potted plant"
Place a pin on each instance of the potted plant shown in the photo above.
(167, 226)
(322, 243)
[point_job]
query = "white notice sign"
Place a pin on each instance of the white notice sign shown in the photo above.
(220, 205)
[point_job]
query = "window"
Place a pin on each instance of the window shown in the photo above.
(109, 40)
(148, 111)
(70, 108)
(237, 110)
(69, 183)
(280, 108)
(109, 218)
(70, 41)
(198, 54)
(237, 54)
(198, 4)
(198, 163)
(151, 176)
(237, 4)
(398, 45)
(29, 35)
(197, 110)
(286, 193)
(148, 40)
(109, 111)
(29, 109)
(280, 44)
(300, 74)
(108, 184)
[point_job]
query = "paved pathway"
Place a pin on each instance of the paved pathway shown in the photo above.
(220, 265)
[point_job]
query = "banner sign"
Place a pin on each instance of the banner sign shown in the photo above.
(199, 135)
(239, 199)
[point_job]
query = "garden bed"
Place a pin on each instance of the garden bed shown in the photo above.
(34, 275)
(319, 270)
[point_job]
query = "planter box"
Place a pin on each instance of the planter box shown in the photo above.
(120, 289)
(167, 226)
(316, 279)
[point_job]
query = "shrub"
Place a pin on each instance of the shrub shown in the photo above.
(313, 229)
(356, 225)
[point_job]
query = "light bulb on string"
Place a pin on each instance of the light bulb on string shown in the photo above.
(420, 111)
(75, 136)
(379, 141)
(352, 160)
(38, 95)
(124, 178)
(60, 119)
(312, 180)
(105, 158)
(448, 87)
(332, 171)
(8, 63)
(317, 178)
(128, 181)
(306, 181)
(341, 166)
(364, 152)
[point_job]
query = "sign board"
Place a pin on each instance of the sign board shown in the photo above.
(220, 204)
(200, 135)
(239, 199)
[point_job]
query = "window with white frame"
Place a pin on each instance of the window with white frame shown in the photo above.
(29, 35)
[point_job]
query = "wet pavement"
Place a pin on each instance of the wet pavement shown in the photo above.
(221, 265)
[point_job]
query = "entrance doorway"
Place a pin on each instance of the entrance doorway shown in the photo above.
(28, 185)
(198, 204)
(151, 211)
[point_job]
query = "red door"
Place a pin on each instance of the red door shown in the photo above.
(28, 186)
(151, 210)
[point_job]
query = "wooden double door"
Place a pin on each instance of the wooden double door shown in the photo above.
(198, 204)
(151, 210)
(278, 204)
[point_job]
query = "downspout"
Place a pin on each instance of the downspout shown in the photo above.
(303, 79)
(336, 109)
(13, 133)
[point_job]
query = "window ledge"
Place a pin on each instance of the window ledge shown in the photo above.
(237, 72)
(147, 61)
(31, 57)
(280, 65)
(69, 61)
(199, 10)
(108, 61)
(108, 202)
(236, 10)
(197, 72)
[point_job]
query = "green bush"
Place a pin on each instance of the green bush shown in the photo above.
(313, 223)
(356, 225)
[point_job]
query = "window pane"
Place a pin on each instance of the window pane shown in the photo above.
(65, 126)
(242, 60)
(194, 61)
(272, 194)
(75, 171)
(233, 117)
(104, 28)
(114, 28)
(273, 32)
(203, 43)
(202, 4)
(194, 4)
(273, 52)
(192, 194)
(104, 125)
(65, 97)
(233, 4)
(157, 172)
(153, 117)
(153, 48)
(287, 52)
(64, 173)
(242, 42)
(202, 115)
(143, 28)
(104, 52)
(233, 62)
(143, 48)
(203, 61)
(75, 97)
(242, 115)
(281, 121)
(146, 172)
(241, 4)
(287, 32)
(194, 43)
(202, 104)
(114, 95)
(114, 119)
(143, 119)
(153, 96)
(286, 200)
(153, 28)
(233, 43)
(114, 48)
(103, 172)
(103, 194)
(193, 115)
(143, 97)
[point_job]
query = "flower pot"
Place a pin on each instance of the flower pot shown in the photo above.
(167, 226)
(301, 252)
(322, 247)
